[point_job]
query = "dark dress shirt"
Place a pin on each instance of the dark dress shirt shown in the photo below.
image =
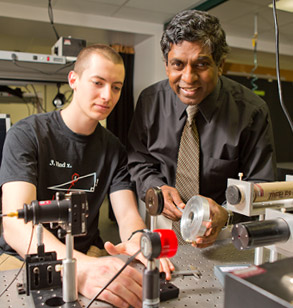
(235, 133)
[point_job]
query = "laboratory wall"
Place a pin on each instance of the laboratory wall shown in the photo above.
(36, 98)
(269, 92)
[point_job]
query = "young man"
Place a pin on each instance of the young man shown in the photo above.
(233, 124)
(70, 150)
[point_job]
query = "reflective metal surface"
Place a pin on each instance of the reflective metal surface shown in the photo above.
(196, 211)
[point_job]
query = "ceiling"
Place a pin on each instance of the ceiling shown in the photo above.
(237, 18)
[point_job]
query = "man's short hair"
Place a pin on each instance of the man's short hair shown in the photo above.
(101, 49)
(196, 26)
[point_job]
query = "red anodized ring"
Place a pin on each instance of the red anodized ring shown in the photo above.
(169, 242)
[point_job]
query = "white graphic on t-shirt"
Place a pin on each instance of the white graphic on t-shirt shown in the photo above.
(56, 163)
(86, 183)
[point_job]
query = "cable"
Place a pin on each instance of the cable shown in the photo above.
(254, 44)
(278, 66)
(68, 99)
(15, 62)
(17, 92)
(134, 232)
(23, 263)
(28, 100)
(11, 214)
(114, 277)
(6, 258)
(38, 99)
(27, 106)
(65, 66)
(50, 13)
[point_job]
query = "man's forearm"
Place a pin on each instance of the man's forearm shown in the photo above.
(126, 212)
(19, 236)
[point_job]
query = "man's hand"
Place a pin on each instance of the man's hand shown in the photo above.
(171, 200)
(130, 248)
(218, 217)
(94, 273)
(167, 267)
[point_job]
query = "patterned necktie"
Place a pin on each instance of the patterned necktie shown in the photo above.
(187, 174)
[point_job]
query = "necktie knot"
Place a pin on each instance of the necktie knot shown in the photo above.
(191, 111)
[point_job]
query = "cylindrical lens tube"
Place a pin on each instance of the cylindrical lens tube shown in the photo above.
(260, 233)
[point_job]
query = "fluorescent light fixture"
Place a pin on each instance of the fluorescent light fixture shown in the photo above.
(284, 5)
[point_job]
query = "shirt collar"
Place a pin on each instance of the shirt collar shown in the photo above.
(180, 107)
(210, 104)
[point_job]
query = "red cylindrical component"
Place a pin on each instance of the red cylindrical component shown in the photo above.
(169, 242)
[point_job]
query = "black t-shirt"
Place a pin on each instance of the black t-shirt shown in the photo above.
(43, 151)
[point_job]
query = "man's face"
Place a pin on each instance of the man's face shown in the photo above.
(98, 88)
(192, 72)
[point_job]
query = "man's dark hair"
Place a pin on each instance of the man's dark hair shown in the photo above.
(196, 26)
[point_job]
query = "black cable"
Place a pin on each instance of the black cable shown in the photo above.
(134, 232)
(278, 66)
(254, 41)
(65, 66)
(4, 259)
(29, 101)
(15, 92)
(69, 96)
(37, 97)
(50, 13)
(23, 263)
(114, 277)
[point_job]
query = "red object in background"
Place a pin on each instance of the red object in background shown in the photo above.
(169, 242)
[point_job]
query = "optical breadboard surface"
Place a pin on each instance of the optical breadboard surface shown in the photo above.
(204, 292)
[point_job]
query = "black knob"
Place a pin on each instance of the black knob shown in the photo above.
(154, 201)
(233, 194)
